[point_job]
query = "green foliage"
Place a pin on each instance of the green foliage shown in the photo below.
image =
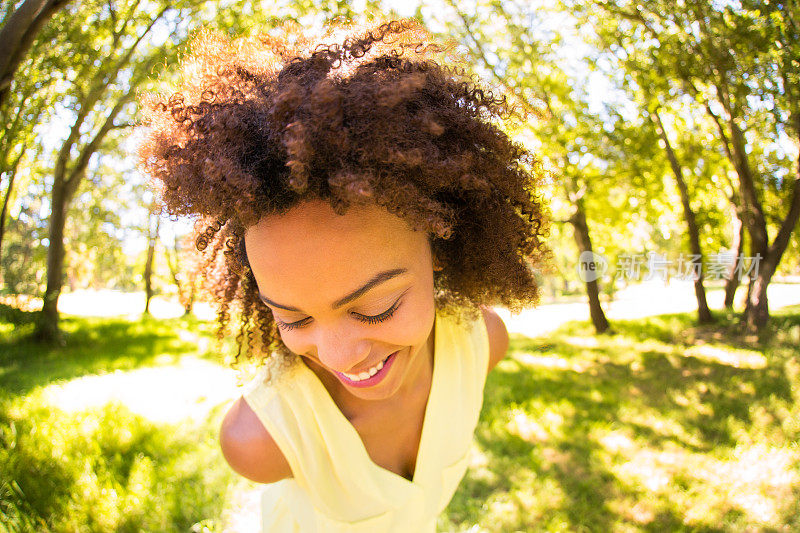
(102, 216)
(592, 74)
(719, 68)
(602, 156)
(24, 254)
(660, 426)
(90, 56)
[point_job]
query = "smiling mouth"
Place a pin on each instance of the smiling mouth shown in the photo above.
(369, 377)
(367, 373)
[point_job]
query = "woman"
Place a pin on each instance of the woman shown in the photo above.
(367, 211)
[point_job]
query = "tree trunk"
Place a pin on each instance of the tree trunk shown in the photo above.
(152, 239)
(4, 209)
(733, 281)
(581, 233)
(65, 183)
(47, 329)
(188, 303)
(756, 312)
(12, 173)
(703, 313)
(18, 34)
(753, 214)
(186, 290)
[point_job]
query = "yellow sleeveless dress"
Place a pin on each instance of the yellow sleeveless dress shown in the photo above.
(336, 487)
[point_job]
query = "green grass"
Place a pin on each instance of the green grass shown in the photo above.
(661, 426)
(101, 469)
(105, 470)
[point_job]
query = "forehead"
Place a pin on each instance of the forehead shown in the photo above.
(312, 242)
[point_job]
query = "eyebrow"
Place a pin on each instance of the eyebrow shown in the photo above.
(376, 280)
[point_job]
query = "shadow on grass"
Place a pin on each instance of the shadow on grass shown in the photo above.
(15, 316)
(572, 422)
(93, 346)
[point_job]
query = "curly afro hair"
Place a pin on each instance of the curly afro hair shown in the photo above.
(259, 124)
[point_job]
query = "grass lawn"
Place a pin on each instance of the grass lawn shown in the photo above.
(661, 426)
(102, 468)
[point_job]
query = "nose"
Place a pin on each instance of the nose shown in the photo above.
(340, 349)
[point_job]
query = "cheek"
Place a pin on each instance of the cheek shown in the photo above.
(414, 325)
(294, 339)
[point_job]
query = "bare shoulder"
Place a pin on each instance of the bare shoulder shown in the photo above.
(249, 448)
(498, 336)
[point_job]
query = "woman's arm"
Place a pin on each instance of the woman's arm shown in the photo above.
(498, 336)
(248, 448)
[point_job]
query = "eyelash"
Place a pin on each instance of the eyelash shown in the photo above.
(374, 319)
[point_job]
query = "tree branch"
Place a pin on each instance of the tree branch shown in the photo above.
(530, 108)
(781, 240)
(98, 87)
(635, 17)
(77, 172)
(18, 34)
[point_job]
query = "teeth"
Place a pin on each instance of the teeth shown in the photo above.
(366, 374)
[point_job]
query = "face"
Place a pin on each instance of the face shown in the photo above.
(352, 294)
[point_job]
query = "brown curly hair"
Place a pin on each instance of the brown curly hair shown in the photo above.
(258, 125)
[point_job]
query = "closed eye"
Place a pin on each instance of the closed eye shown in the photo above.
(374, 319)
(368, 319)
(291, 325)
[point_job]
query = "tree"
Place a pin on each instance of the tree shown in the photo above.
(584, 242)
(11, 171)
(99, 98)
(742, 65)
(30, 104)
(183, 262)
(17, 36)
(519, 60)
(704, 314)
(131, 38)
(25, 259)
(737, 246)
(153, 226)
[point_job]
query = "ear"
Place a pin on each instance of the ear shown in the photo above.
(437, 267)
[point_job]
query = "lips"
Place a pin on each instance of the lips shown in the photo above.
(369, 377)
